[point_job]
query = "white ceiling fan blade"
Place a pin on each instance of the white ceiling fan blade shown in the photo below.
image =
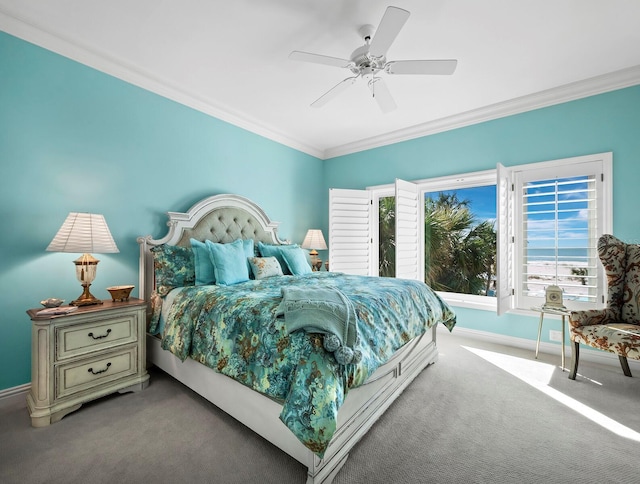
(333, 92)
(428, 67)
(382, 95)
(392, 22)
(319, 59)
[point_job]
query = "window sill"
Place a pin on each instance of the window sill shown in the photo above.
(483, 303)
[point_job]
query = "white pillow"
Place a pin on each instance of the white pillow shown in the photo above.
(263, 267)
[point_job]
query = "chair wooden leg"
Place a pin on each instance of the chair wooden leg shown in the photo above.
(625, 365)
(575, 356)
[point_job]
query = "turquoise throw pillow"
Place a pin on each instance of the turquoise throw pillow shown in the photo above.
(205, 273)
(267, 250)
(248, 246)
(229, 262)
(296, 260)
(249, 251)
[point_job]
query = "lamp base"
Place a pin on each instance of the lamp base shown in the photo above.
(86, 298)
(316, 263)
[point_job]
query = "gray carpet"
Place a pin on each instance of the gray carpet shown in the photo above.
(463, 420)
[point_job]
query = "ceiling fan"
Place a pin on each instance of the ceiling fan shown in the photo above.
(370, 60)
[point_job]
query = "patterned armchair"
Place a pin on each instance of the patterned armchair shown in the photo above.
(615, 328)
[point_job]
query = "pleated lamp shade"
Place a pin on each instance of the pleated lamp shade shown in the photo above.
(314, 240)
(84, 233)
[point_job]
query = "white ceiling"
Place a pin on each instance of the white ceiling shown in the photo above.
(229, 58)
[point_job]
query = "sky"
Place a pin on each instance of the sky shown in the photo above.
(482, 200)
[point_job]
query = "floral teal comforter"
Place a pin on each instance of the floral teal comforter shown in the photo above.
(234, 330)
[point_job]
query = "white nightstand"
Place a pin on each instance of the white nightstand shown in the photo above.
(89, 353)
(558, 312)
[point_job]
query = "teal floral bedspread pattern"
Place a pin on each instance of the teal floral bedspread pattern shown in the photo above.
(234, 330)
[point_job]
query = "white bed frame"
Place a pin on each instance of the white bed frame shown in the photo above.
(224, 218)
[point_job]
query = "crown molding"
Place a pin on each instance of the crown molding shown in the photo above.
(103, 62)
(568, 92)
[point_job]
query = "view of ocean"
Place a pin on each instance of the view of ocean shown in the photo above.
(548, 254)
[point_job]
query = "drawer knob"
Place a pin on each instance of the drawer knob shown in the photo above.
(101, 336)
(99, 371)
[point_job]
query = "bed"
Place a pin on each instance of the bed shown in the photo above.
(313, 390)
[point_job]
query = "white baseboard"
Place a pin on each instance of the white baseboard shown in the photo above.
(18, 395)
(586, 354)
(14, 396)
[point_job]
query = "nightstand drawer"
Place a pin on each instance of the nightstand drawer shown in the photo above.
(79, 376)
(80, 339)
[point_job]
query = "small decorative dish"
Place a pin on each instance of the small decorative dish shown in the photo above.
(52, 302)
(120, 293)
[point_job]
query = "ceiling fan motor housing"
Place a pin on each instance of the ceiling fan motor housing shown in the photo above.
(362, 60)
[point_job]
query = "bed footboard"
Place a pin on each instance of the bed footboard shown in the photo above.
(361, 408)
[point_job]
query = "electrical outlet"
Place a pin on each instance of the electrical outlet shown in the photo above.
(555, 335)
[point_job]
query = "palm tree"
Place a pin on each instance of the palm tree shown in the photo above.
(459, 252)
(387, 235)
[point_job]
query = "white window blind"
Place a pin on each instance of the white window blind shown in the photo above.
(559, 237)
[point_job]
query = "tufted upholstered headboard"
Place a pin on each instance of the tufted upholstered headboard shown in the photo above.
(220, 218)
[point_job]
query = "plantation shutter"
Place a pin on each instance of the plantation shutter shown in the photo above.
(561, 222)
(550, 217)
(505, 241)
(350, 243)
(408, 264)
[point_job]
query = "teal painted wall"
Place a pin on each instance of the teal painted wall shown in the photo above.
(75, 139)
(602, 123)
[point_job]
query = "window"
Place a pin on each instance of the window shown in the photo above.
(351, 238)
(490, 240)
(386, 236)
(455, 236)
(460, 238)
(558, 247)
(557, 210)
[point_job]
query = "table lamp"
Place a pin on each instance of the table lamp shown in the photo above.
(84, 233)
(314, 240)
